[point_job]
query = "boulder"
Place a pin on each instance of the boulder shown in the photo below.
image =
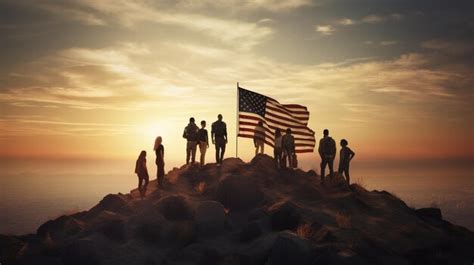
(111, 202)
(175, 207)
(290, 249)
(431, 213)
(180, 233)
(114, 229)
(210, 218)
(150, 233)
(251, 231)
(60, 228)
(284, 216)
(238, 192)
(11, 249)
(81, 252)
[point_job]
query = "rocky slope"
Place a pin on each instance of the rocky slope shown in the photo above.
(245, 214)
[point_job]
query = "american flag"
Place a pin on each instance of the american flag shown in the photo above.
(254, 107)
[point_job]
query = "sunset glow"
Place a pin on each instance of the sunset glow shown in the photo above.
(102, 79)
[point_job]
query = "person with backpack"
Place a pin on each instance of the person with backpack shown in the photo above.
(219, 138)
(191, 135)
(203, 141)
(160, 161)
(327, 151)
(259, 138)
(288, 146)
(142, 173)
(345, 157)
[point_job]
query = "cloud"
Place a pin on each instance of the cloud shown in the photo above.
(132, 14)
(381, 43)
(373, 19)
(388, 43)
(325, 30)
(346, 22)
(369, 19)
(449, 47)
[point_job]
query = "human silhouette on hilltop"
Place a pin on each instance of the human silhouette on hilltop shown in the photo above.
(142, 173)
(160, 160)
(327, 151)
(219, 138)
(191, 135)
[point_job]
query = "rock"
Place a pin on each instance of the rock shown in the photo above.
(284, 216)
(257, 251)
(175, 207)
(111, 202)
(149, 232)
(60, 228)
(250, 231)
(431, 213)
(180, 233)
(114, 229)
(81, 252)
(210, 218)
(11, 249)
(238, 192)
(290, 249)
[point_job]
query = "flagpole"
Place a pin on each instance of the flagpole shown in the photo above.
(237, 125)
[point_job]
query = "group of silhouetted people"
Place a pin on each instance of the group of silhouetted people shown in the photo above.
(199, 137)
(327, 151)
(284, 151)
(284, 147)
(142, 171)
(195, 137)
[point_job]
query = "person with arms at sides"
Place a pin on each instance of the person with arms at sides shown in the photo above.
(277, 150)
(190, 134)
(259, 138)
(142, 173)
(288, 145)
(203, 140)
(327, 151)
(160, 161)
(345, 157)
(219, 138)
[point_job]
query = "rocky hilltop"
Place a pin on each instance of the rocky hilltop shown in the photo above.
(245, 213)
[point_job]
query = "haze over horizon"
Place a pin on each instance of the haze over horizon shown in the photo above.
(102, 79)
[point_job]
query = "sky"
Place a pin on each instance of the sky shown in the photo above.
(103, 78)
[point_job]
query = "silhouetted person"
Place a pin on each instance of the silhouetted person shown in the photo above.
(345, 157)
(142, 173)
(219, 138)
(203, 141)
(288, 145)
(259, 138)
(327, 151)
(191, 135)
(277, 150)
(160, 161)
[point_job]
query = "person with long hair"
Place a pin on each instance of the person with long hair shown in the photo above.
(142, 173)
(160, 161)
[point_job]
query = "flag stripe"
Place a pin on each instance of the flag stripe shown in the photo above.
(271, 139)
(254, 107)
(270, 129)
(289, 113)
(248, 119)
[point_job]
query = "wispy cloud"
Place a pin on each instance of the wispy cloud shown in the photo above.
(325, 30)
(132, 14)
(449, 47)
